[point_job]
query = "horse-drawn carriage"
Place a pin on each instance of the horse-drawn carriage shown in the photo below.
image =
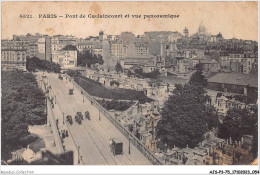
(69, 119)
(79, 117)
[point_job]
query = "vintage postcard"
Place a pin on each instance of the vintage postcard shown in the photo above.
(129, 83)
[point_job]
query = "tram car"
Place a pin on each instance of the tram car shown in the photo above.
(116, 146)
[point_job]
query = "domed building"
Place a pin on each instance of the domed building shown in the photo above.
(202, 29)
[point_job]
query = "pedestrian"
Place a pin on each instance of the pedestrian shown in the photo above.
(67, 134)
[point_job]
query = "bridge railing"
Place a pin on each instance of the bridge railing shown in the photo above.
(134, 140)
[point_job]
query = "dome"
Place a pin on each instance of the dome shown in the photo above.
(202, 28)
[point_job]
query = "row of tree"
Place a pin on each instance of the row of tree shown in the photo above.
(35, 63)
(23, 104)
(97, 89)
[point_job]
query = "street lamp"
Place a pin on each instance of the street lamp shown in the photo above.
(99, 115)
(55, 99)
(63, 117)
(46, 110)
(78, 155)
(129, 152)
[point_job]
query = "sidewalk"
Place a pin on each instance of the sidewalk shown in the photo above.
(68, 142)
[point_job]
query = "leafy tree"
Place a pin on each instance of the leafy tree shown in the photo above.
(23, 104)
(239, 122)
(87, 59)
(31, 65)
(153, 75)
(131, 127)
(255, 144)
(70, 47)
(114, 82)
(118, 67)
(155, 83)
(252, 96)
(198, 78)
(185, 117)
(35, 63)
(96, 89)
(115, 105)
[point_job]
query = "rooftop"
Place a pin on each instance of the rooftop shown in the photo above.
(235, 78)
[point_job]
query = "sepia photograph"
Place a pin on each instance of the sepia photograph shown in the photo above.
(129, 83)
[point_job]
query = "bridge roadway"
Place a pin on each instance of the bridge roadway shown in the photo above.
(92, 135)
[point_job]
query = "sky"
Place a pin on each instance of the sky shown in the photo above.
(233, 19)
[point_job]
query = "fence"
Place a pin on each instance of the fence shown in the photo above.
(135, 141)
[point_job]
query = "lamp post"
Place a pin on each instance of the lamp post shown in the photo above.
(63, 117)
(99, 115)
(78, 155)
(55, 98)
(129, 152)
(46, 107)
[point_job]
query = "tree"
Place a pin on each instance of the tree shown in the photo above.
(255, 143)
(23, 104)
(198, 78)
(153, 75)
(185, 117)
(86, 58)
(35, 63)
(31, 65)
(114, 82)
(118, 67)
(70, 47)
(239, 122)
(131, 127)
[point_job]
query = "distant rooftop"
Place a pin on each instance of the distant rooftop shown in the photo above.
(235, 78)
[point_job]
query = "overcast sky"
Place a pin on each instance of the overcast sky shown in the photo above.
(232, 19)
